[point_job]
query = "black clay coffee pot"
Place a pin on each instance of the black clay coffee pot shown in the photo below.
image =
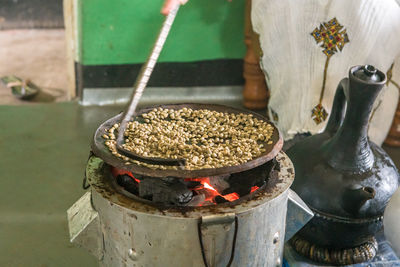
(346, 179)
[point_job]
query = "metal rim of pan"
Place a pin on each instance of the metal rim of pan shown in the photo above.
(101, 150)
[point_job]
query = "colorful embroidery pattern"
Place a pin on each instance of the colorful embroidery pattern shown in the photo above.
(389, 74)
(319, 114)
(275, 116)
(333, 37)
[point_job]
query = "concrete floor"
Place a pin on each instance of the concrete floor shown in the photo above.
(44, 152)
(37, 55)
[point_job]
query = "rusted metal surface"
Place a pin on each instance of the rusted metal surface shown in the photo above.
(140, 239)
(105, 186)
(101, 150)
(265, 173)
(248, 233)
(84, 226)
(212, 231)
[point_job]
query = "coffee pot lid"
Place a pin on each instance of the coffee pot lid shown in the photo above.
(368, 73)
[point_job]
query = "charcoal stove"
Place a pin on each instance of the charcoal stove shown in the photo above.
(122, 229)
(135, 215)
(129, 217)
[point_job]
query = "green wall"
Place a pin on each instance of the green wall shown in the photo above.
(123, 31)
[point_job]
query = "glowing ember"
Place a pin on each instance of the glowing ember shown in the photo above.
(254, 188)
(204, 188)
(116, 172)
(231, 197)
(208, 186)
(212, 192)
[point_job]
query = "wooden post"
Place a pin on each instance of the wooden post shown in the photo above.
(255, 93)
(70, 25)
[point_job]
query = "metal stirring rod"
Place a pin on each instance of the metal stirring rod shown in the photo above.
(142, 80)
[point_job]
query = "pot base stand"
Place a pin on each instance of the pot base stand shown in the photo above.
(346, 256)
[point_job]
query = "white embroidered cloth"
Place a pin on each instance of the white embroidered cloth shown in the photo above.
(294, 63)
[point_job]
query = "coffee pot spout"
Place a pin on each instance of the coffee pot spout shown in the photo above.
(354, 199)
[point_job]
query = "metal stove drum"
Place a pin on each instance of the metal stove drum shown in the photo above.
(229, 216)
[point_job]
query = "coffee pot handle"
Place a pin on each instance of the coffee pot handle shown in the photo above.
(338, 107)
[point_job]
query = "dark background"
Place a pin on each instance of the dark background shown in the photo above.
(18, 14)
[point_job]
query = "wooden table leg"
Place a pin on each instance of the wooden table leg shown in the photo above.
(255, 93)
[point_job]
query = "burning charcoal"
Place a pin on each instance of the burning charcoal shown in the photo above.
(185, 197)
(149, 187)
(171, 180)
(219, 200)
(128, 183)
(219, 182)
(192, 184)
(208, 203)
(162, 191)
(197, 200)
(243, 182)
